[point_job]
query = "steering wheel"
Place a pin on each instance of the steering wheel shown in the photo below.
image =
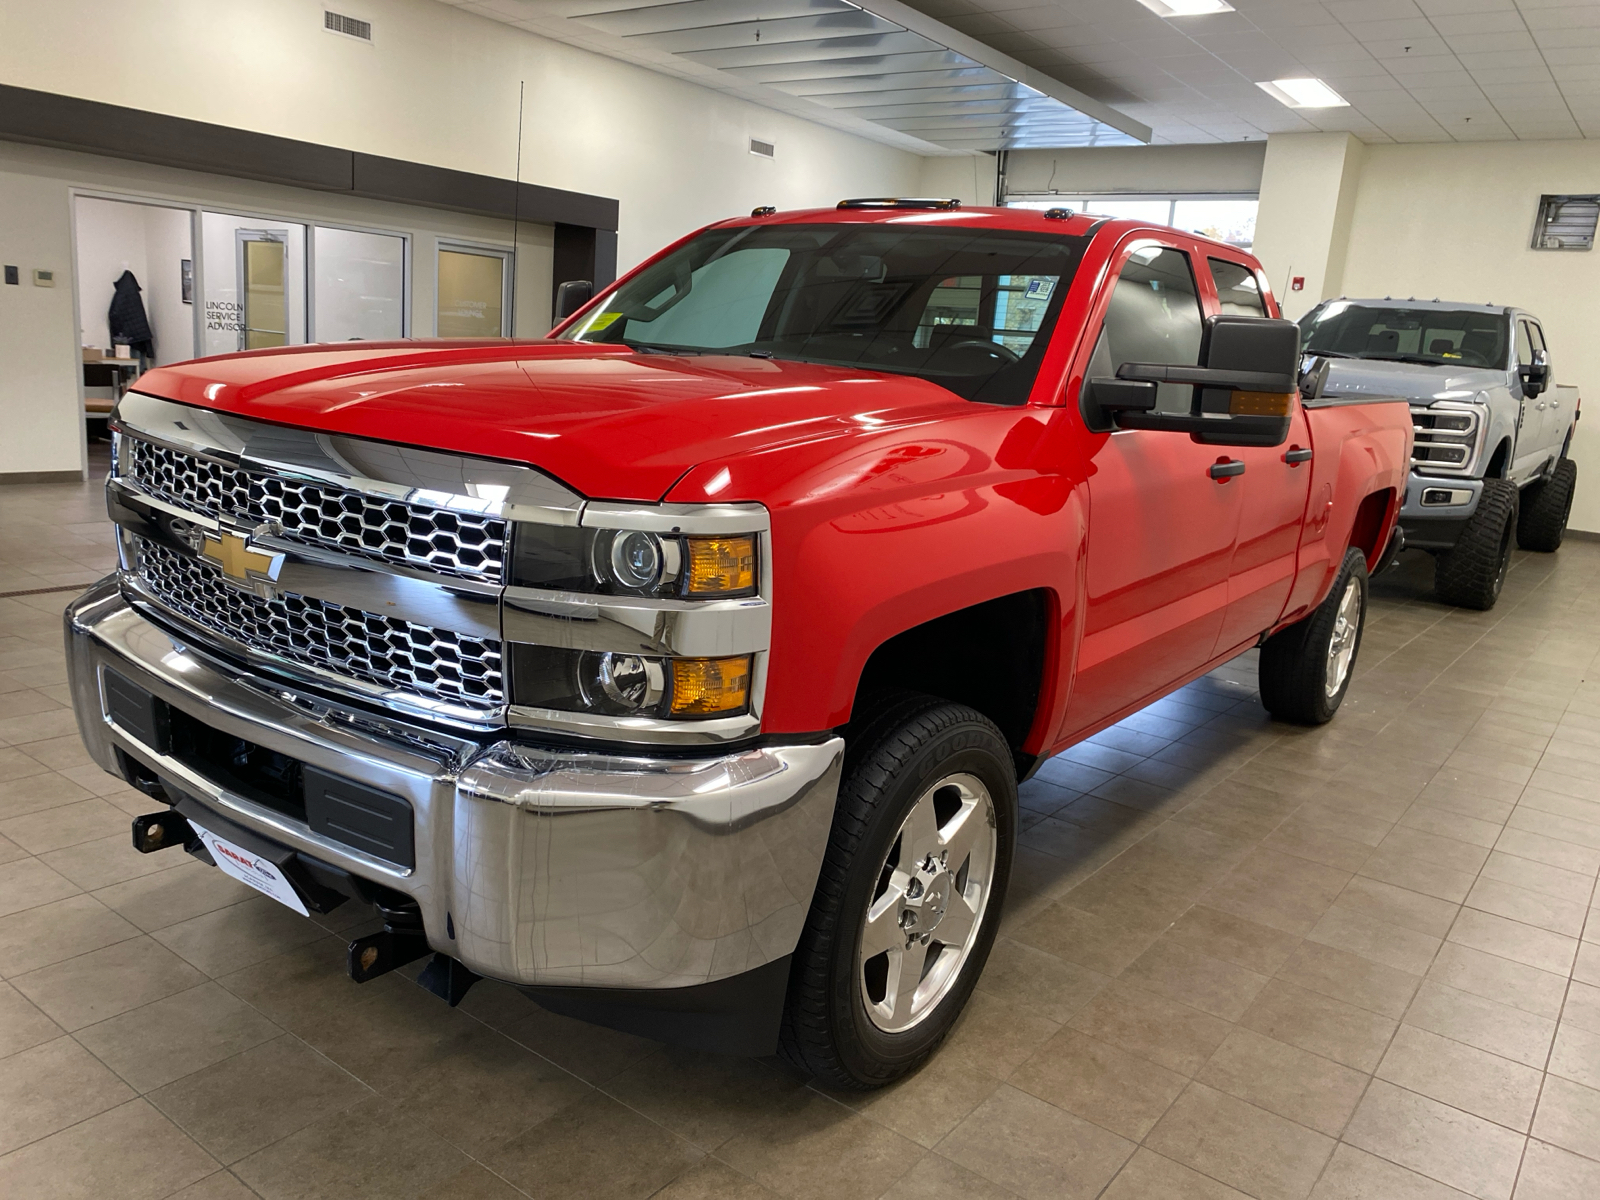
(998, 349)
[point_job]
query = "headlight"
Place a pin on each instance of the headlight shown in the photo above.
(629, 685)
(633, 562)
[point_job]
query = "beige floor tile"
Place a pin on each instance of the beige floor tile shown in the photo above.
(1258, 1152)
(51, 1086)
(131, 1152)
(1414, 874)
(1551, 1173)
(1462, 1076)
(1278, 890)
(1528, 906)
(1500, 1029)
(1180, 972)
(1569, 1116)
(37, 792)
(1447, 823)
(1037, 980)
(224, 1185)
(1356, 1175)
(1453, 1147)
(367, 1150)
(1147, 1175)
(935, 1175)
(1100, 943)
(1526, 944)
(105, 861)
(1233, 939)
(1321, 1024)
(590, 1052)
(50, 933)
(21, 1024)
(706, 1180)
(1283, 1079)
(68, 825)
(1431, 848)
(1035, 1149)
(386, 1036)
(1576, 1055)
(1163, 1031)
(1313, 842)
(95, 986)
(1350, 977)
(27, 883)
(1100, 1083)
(1539, 877)
(229, 938)
(188, 889)
(708, 1098)
(215, 1025)
(1379, 941)
(245, 1103)
(1397, 906)
(1582, 1007)
(1586, 967)
(923, 1106)
(994, 1037)
(1496, 978)
(1553, 851)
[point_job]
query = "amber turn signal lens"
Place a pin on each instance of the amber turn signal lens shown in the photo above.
(721, 566)
(1260, 404)
(710, 686)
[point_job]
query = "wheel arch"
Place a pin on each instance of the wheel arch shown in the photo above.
(992, 656)
(1369, 530)
(1500, 461)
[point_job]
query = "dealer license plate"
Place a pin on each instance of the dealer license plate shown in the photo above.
(251, 868)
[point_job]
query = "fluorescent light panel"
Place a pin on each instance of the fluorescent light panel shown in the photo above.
(1186, 8)
(1304, 93)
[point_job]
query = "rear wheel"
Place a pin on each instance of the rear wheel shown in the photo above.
(1472, 572)
(909, 896)
(1305, 669)
(1545, 506)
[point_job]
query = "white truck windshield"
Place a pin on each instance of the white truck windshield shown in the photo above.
(1459, 337)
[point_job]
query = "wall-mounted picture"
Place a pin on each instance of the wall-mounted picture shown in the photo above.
(186, 276)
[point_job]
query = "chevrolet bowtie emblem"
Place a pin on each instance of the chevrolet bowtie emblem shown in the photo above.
(242, 564)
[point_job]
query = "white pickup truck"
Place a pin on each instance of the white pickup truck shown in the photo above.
(1489, 467)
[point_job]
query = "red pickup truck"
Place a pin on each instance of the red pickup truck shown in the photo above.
(681, 668)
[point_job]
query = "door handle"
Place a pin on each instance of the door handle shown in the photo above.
(1225, 469)
(1294, 456)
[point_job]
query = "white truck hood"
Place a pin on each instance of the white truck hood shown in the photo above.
(1415, 381)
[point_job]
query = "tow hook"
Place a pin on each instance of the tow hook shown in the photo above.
(403, 940)
(157, 831)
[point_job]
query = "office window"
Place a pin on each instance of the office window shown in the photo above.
(1230, 219)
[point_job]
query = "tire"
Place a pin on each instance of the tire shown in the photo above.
(845, 1021)
(1542, 522)
(1471, 573)
(1305, 669)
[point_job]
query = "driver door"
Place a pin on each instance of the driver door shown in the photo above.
(1162, 526)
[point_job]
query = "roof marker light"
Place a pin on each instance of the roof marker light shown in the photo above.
(1304, 93)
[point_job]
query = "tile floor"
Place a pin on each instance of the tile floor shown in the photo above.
(1239, 959)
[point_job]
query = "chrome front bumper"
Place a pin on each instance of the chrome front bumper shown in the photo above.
(538, 865)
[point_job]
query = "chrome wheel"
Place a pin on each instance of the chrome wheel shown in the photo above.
(1346, 630)
(928, 904)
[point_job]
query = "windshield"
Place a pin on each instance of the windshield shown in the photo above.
(968, 309)
(1457, 337)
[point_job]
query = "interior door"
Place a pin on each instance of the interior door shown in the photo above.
(1161, 527)
(472, 294)
(263, 291)
(1272, 490)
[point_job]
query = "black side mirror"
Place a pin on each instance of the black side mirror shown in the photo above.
(1243, 394)
(1535, 375)
(571, 296)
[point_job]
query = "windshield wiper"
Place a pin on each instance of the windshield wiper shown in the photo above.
(1326, 354)
(649, 348)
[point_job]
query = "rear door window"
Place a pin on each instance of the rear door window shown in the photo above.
(1238, 293)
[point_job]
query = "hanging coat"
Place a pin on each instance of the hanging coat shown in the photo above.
(129, 325)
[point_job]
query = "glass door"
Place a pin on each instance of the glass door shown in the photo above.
(473, 292)
(264, 316)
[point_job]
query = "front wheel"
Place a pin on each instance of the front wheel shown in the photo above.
(1471, 573)
(1305, 669)
(909, 896)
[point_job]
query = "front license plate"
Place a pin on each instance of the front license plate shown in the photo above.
(251, 868)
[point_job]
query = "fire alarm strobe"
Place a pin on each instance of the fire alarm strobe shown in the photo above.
(1297, 284)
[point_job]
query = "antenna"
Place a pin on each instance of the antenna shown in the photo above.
(516, 210)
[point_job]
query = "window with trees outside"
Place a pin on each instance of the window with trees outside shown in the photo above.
(1230, 219)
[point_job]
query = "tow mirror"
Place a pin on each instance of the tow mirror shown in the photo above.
(1535, 375)
(571, 296)
(1243, 393)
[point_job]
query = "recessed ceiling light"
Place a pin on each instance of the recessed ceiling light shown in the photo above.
(1186, 8)
(1304, 93)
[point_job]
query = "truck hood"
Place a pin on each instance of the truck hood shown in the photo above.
(608, 422)
(1414, 381)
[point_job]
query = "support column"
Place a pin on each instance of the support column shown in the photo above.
(1308, 193)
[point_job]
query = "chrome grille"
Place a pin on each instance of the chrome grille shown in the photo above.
(398, 654)
(398, 531)
(1444, 439)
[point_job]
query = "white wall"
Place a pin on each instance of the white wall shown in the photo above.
(1456, 221)
(168, 240)
(1308, 195)
(439, 85)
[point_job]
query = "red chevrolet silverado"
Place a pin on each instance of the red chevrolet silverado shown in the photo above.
(681, 668)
